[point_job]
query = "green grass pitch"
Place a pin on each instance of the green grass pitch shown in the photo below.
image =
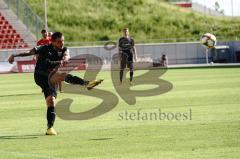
(212, 95)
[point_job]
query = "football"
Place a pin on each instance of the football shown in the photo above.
(208, 40)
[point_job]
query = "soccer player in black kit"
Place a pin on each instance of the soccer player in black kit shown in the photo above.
(50, 58)
(127, 53)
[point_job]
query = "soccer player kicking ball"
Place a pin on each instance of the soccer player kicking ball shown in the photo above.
(50, 57)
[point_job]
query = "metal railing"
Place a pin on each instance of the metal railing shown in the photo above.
(32, 21)
(177, 53)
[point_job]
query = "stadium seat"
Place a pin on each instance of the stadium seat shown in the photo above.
(9, 38)
(16, 36)
(9, 31)
(4, 27)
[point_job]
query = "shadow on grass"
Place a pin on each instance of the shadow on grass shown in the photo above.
(20, 137)
(19, 95)
(100, 139)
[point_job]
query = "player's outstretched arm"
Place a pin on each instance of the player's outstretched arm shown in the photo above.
(11, 58)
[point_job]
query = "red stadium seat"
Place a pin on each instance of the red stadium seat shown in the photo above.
(5, 41)
(9, 31)
(4, 46)
(9, 38)
(14, 31)
(10, 27)
(17, 36)
(17, 40)
(9, 46)
(10, 41)
(12, 36)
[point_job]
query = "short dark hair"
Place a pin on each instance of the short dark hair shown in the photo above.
(43, 31)
(56, 35)
(125, 29)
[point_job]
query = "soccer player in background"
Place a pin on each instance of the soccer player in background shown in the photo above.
(46, 39)
(164, 61)
(46, 76)
(127, 53)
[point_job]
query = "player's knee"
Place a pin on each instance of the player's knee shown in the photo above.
(50, 100)
(62, 75)
(59, 77)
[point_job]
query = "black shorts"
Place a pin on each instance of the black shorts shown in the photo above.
(126, 61)
(41, 79)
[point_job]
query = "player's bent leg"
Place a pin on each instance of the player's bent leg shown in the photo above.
(75, 80)
(57, 77)
(51, 115)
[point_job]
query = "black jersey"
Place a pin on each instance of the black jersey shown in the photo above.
(126, 47)
(126, 44)
(48, 57)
